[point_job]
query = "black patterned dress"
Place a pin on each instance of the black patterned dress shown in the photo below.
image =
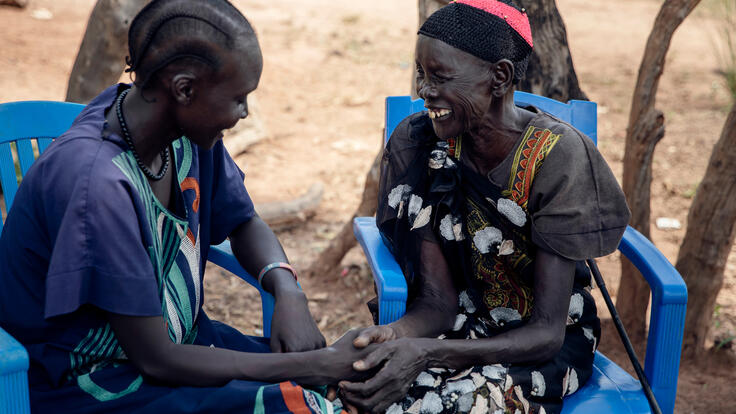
(554, 191)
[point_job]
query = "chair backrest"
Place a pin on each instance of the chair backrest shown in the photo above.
(26, 130)
(583, 115)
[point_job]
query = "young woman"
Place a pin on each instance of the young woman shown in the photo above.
(103, 251)
(491, 209)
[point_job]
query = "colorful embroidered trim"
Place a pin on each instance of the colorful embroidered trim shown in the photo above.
(455, 146)
(537, 143)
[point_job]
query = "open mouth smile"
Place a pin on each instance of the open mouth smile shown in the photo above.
(439, 114)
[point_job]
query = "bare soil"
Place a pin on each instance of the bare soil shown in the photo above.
(328, 66)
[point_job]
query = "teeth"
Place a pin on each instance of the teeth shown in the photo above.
(433, 114)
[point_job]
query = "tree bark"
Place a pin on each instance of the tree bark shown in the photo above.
(101, 57)
(645, 130)
(711, 226)
(554, 76)
(551, 72)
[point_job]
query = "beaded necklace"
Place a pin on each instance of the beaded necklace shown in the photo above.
(129, 141)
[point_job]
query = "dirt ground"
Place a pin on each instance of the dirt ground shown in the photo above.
(328, 66)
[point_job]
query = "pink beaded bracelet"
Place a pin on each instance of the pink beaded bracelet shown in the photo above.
(275, 265)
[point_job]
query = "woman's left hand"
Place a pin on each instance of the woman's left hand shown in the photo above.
(403, 359)
(292, 326)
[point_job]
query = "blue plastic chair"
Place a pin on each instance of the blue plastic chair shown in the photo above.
(610, 389)
(23, 124)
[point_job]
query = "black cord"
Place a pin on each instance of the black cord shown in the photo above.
(624, 337)
(128, 140)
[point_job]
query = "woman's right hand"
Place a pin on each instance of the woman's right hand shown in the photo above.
(398, 362)
(339, 358)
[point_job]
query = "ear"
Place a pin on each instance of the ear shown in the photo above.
(182, 87)
(502, 77)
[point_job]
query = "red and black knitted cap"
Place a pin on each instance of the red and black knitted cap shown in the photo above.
(488, 29)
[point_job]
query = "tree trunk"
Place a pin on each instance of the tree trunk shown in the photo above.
(550, 72)
(645, 130)
(555, 77)
(101, 57)
(711, 226)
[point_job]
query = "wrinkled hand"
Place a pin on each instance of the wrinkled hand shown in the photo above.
(292, 328)
(374, 335)
(402, 359)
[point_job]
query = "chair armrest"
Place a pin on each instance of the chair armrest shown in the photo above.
(669, 298)
(222, 255)
(13, 376)
(667, 322)
(390, 282)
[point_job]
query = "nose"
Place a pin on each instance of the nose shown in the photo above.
(426, 90)
(243, 109)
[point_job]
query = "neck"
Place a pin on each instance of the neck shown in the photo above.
(149, 125)
(495, 135)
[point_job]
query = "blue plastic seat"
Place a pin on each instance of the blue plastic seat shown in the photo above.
(610, 389)
(23, 126)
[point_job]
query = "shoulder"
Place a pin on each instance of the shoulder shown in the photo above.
(85, 148)
(559, 150)
(82, 155)
(578, 209)
(567, 140)
(78, 170)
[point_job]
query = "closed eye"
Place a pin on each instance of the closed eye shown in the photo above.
(440, 78)
(420, 71)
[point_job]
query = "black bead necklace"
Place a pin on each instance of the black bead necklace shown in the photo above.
(129, 141)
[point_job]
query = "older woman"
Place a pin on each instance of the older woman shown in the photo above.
(491, 209)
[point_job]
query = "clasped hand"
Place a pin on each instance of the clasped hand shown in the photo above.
(395, 364)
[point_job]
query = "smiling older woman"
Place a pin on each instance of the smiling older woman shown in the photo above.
(491, 209)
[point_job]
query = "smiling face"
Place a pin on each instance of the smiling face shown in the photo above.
(218, 101)
(455, 85)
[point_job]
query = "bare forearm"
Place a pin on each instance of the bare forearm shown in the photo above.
(424, 319)
(527, 344)
(255, 245)
(203, 366)
(538, 340)
(433, 311)
(292, 326)
(146, 342)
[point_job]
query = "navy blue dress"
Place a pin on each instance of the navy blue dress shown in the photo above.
(86, 236)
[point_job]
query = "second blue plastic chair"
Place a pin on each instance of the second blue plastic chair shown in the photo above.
(610, 389)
